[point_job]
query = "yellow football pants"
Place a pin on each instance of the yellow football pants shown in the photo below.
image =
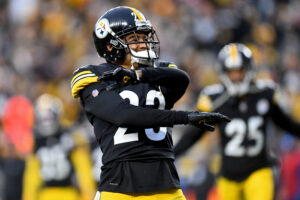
(172, 194)
(258, 186)
(59, 193)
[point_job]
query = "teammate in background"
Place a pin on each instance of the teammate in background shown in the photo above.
(246, 165)
(128, 101)
(60, 167)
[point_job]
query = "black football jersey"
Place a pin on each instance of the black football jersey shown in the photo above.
(54, 155)
(243, 140)
(96, 155)
(136, 156)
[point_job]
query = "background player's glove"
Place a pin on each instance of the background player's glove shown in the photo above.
(206, 120)
(121, 75)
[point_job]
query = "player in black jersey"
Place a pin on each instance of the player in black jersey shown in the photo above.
(246, 166)
(128, 102)
(60, 166)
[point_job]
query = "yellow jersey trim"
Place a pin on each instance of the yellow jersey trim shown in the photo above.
(81, 80)
(204, 103)
(79, 74)
(172, 65)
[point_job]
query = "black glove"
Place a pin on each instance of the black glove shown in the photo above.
(206, 120)
(121, 75)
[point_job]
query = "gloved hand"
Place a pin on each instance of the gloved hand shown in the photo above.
(206, 120)
(120, 75)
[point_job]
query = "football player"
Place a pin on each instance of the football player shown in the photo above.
(128, 101)
(246, 170)
(61, 165)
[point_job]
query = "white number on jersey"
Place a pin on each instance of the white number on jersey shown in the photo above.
(54, 163)
(120, 136)
(237, 130)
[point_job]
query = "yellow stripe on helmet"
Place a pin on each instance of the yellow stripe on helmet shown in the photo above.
(138, 14)
(233, 51)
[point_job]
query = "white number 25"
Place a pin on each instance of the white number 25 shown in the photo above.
(237, 130)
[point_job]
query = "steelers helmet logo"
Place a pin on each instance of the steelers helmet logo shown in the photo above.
(101, 28)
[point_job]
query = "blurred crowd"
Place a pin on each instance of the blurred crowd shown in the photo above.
(43, 42)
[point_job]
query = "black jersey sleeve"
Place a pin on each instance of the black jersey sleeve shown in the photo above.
(172, 81)
(109, 106)
(284, 121)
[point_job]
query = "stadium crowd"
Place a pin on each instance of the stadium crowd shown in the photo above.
(43, 42)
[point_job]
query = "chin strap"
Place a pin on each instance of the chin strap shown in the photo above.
(145, 57)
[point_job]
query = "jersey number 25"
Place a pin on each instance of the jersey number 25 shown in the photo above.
(237, 130)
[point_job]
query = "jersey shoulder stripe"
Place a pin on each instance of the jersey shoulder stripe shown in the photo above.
(265, 84)
(270, 87)
(213, 89)
(208, 95)
(204, 103)
(81, 78)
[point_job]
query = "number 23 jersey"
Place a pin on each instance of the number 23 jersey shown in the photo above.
(143, 152)
(243, 140)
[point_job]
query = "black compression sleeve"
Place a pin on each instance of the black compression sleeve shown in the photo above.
(188, 139)
(284, 121)
(173, 81)
(165, 76)
(109, 106)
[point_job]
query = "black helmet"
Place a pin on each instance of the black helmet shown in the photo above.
(236, 56)
(111, 29)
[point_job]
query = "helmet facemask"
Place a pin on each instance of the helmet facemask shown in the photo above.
(237, 88)
(150, 54)
(144, 57)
